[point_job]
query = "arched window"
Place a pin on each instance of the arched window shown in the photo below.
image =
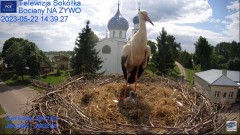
(106, 49)
(120, 34)
(113, 33)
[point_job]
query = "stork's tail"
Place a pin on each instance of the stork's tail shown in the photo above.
(131, 78)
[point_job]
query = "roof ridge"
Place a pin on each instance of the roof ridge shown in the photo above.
(217, 79)
(225, 77)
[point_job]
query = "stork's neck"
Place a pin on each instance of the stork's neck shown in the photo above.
(142, 26)
(142, 32)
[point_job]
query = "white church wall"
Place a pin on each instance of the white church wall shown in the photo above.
(112, 61)
(119, 54)
(118, 34)
(108, 65)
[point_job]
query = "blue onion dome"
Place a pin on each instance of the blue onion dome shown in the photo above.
(136, 19)
(118, 22)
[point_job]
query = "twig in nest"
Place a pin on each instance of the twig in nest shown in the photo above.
(198, 115)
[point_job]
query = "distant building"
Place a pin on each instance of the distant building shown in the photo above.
(110, 47)
(45, 67)
(221, 85)
(62, 62)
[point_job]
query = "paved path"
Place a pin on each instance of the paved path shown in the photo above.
(14, 99)
(181, 69)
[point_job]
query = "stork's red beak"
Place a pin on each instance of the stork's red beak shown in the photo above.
(148, 19)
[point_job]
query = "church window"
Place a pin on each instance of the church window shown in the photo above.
(113, 33)
(120, 34)
(106, 49)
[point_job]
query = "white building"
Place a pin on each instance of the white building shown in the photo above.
(221, 85)
(111, 46)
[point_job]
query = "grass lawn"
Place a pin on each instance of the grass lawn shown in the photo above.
(1, 110)
(35, 88)
(232, 133)
(190, 74)
(11, 79)
(4, 130)
(53, 79)
(3, 123)
(150, 70)
(175, 72)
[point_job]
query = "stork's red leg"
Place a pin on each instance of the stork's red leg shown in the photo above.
(126, 87)
(136, 78)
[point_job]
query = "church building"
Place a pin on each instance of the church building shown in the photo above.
(110, 47)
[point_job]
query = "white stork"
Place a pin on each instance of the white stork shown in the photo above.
(135, 54)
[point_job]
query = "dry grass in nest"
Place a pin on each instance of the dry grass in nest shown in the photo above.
(162, 106)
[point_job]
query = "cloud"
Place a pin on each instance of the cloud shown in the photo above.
(232, 27)
(213, 20)
(175, 15)
(234, 5)
(187, 35)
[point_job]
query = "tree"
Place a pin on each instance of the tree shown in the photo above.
(218, 61)
(153, 46)
(203, 51)
(235, 50)
(175, 47)
(224, 49)
(23, 53)
(86, 58)
(185, 59)
(224, 53)
(234, 64)
(164, 58)
(8, 43)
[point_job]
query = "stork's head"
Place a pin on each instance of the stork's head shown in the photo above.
(144, 15)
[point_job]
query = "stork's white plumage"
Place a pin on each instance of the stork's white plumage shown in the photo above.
(135, 54)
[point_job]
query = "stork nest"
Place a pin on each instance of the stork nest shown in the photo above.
(90, 105)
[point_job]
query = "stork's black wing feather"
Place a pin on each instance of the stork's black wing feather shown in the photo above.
(131, 78)
(133, 73)
(123, 61)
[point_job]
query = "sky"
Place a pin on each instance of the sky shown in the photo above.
(186, 20)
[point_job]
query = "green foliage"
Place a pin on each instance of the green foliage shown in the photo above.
(15, 57)
(226, 55)
(203, 51)
(234, 64)
(23, 54)
(150, 68)
(64, 53)
(228, 50)
(58, 72)
(175, 72)
(8, 43)
(165, 57)
(153, 46)
(218, 61)
(1, 110)
(53, 79)
(85, 59)
(10, 78)
(175, 47)
(4, 130)
(185, 59)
